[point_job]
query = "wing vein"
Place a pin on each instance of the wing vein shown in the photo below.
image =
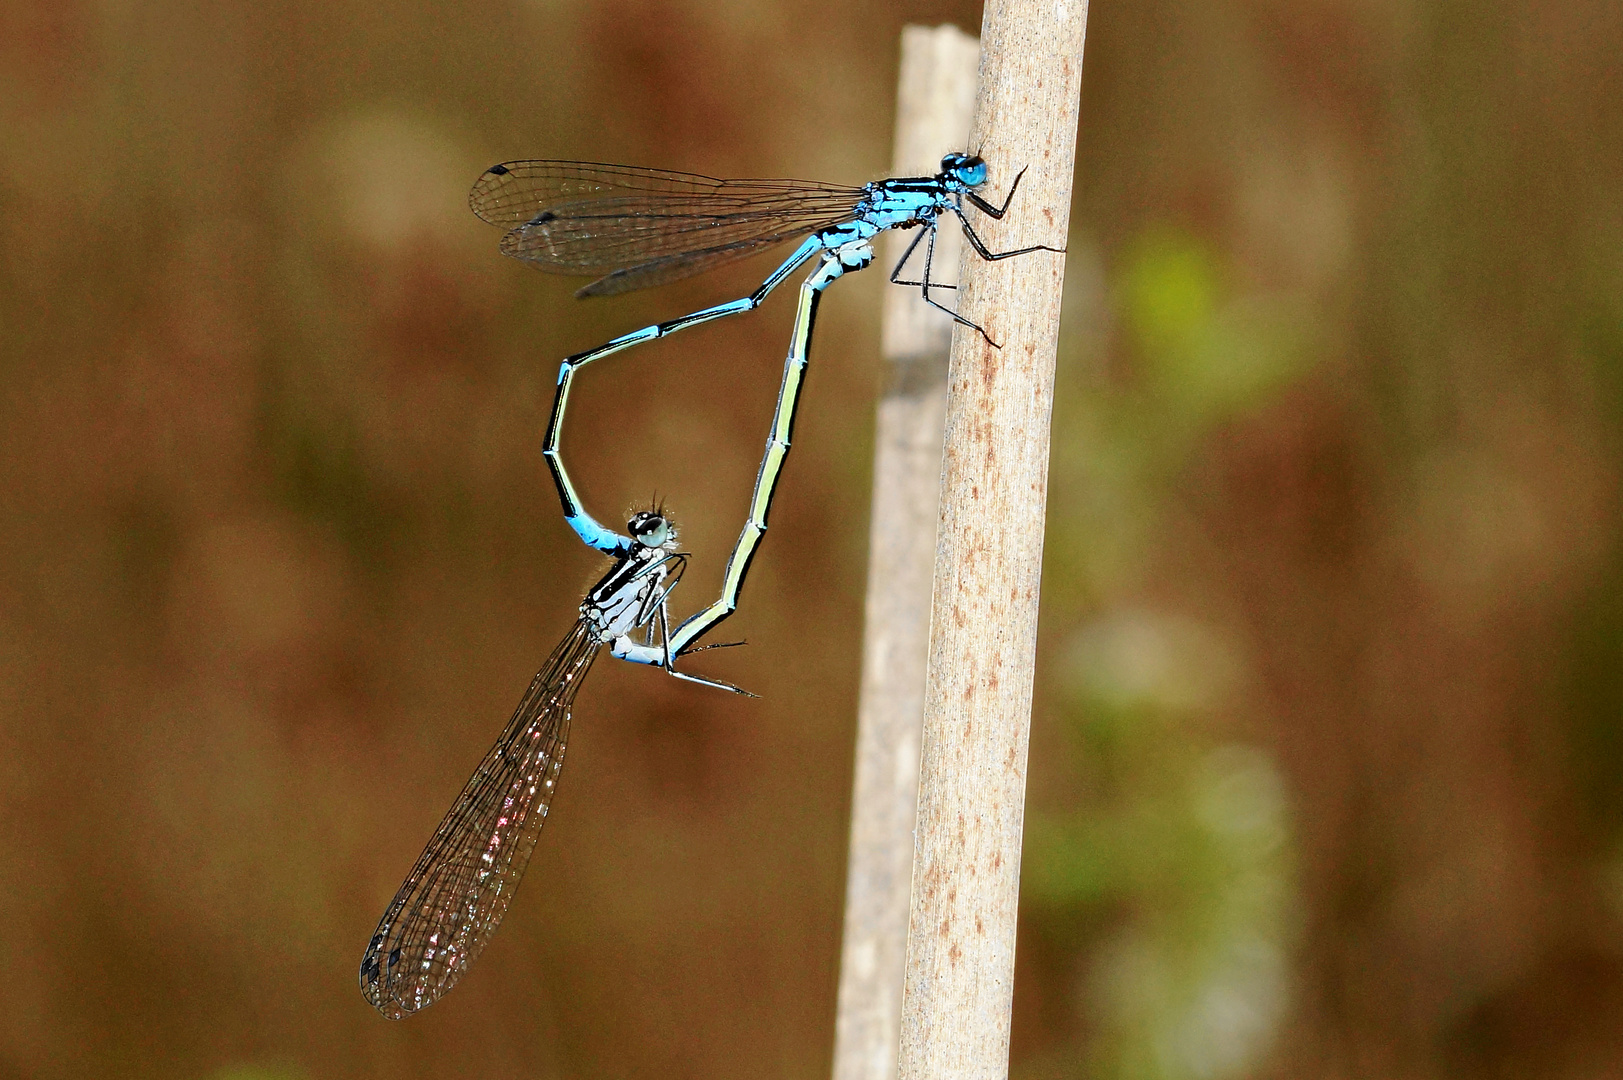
(636, 228)
(460, 887)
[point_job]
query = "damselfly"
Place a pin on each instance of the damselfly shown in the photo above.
(462, 884)
(634, 228)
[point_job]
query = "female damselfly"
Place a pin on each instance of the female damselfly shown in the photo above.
(456, 894)
(633, 228)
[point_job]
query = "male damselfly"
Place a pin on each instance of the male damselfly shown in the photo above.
(633, 228)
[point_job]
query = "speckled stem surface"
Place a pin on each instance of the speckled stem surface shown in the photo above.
(989, 541)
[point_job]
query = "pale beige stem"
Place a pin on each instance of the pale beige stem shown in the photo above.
(989, 541)
(935, 100)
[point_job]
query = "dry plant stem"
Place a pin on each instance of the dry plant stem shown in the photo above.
(977, 714)
(935, 102)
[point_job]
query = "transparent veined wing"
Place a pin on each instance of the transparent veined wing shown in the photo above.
(668, 268)
(641, 227)
(461, 886)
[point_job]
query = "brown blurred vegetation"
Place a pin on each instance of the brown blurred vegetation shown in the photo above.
(1326, 760)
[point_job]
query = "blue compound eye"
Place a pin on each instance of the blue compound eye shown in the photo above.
(967, 169)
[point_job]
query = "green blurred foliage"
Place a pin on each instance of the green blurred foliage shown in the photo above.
(1177, 858)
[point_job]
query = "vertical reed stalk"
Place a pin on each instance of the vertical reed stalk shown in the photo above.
(977, 717)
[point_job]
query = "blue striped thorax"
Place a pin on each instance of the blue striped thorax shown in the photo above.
(905, 201)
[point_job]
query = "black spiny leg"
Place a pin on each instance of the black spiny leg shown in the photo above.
(986, 208)
(994, 256)
(925, 284)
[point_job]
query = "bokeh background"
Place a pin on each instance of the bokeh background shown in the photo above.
(1327, 755)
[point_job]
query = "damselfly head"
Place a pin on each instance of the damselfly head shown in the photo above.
(651, 528)
(965, 169)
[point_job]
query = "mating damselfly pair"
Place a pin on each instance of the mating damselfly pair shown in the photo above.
(634, 228)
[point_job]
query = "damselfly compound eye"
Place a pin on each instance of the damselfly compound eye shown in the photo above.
(649, 529)
(967, 169)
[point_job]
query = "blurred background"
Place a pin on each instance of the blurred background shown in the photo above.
(1327, 766)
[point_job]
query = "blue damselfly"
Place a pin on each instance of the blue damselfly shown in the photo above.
(633, 228)
(462, 884)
